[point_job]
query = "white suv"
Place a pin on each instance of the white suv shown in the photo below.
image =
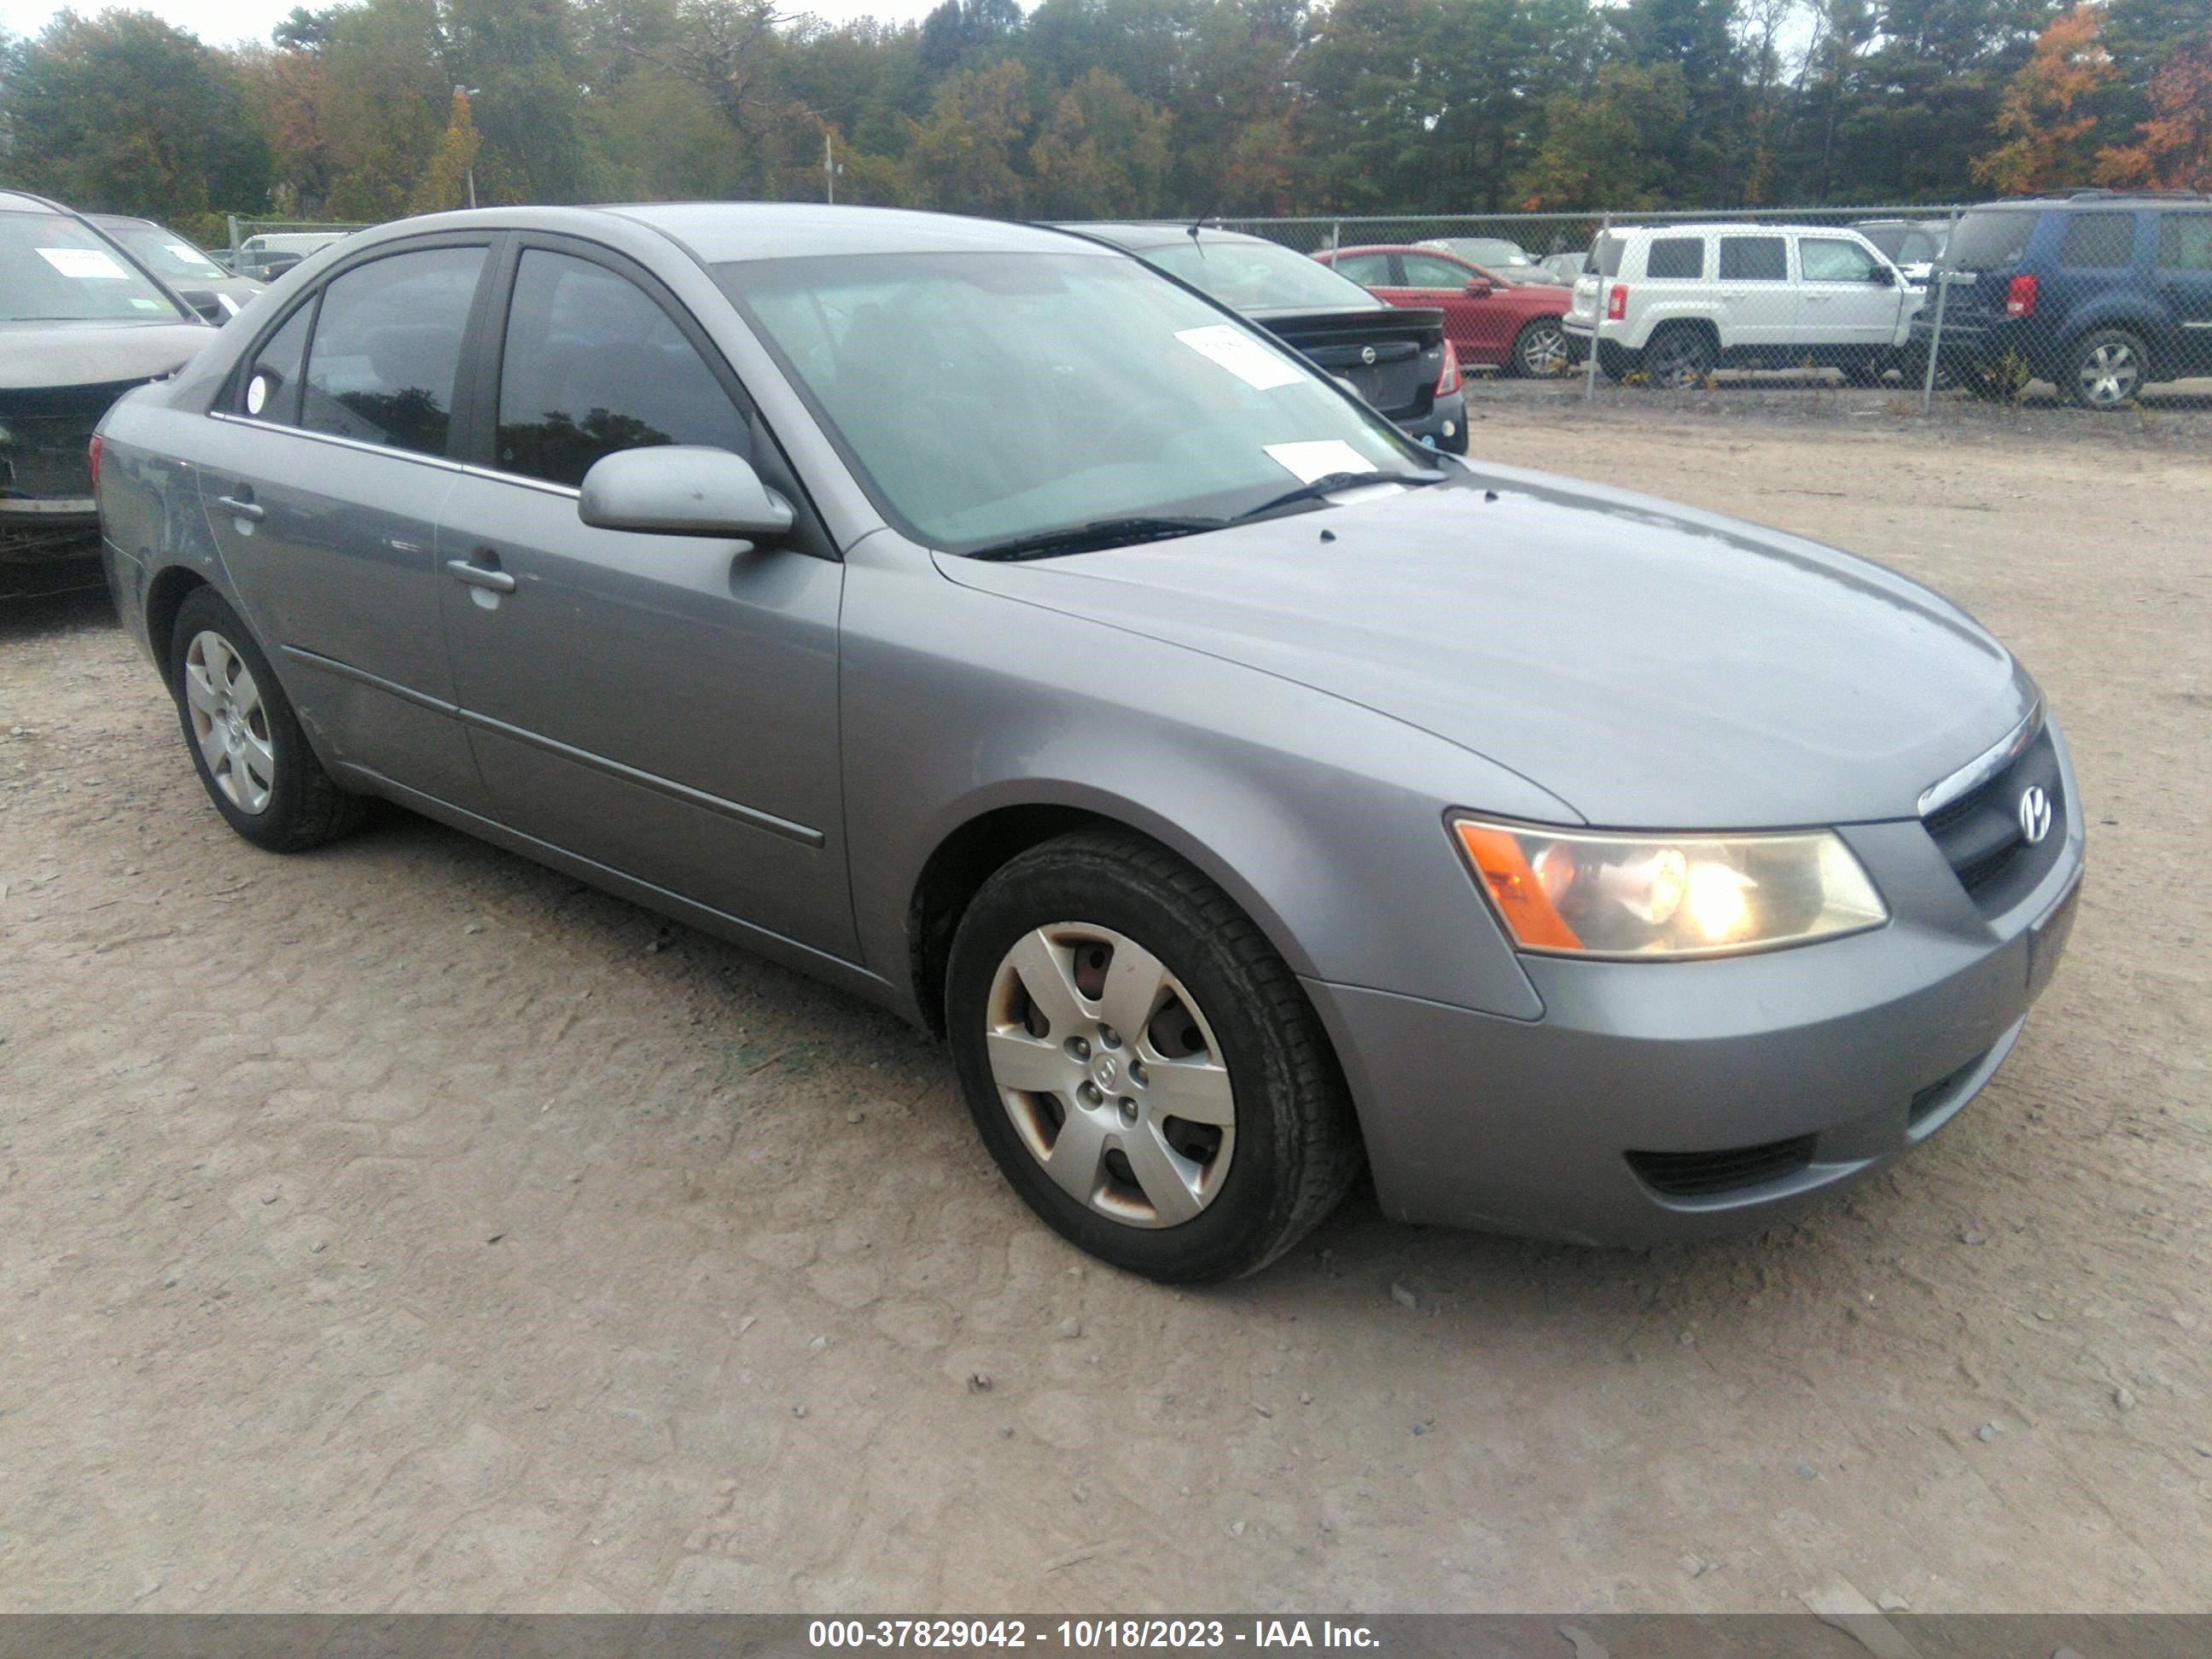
(1677, 301)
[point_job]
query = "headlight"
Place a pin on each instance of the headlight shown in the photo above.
(1568, 893)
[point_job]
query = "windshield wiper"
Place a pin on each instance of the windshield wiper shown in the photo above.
(1090, 537)
(1330, 484)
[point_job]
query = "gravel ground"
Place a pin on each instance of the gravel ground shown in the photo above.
(405, 1226)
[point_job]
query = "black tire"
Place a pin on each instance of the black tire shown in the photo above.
(1616, 361)
(2106, 367)
(1680, 355)
(1540, 351)
(1295, 1153)
(305, 808)
(1871, 368)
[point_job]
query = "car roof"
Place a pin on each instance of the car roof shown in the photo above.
(721, 232)
(14, 200)
(121, 219)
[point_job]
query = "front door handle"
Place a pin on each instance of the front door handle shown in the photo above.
(477, 575)
(243, 507)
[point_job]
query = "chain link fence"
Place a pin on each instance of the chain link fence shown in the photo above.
(2092, 297)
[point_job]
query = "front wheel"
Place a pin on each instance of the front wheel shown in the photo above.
(1143, 1066)
(1540, 350)
(245, 741)
(2106, 368)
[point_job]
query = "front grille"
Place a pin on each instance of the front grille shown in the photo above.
(1939, 1094)
(1703, 1174)
(43, 451)
(1980, 837)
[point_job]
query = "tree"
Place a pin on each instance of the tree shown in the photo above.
(1102, 154)
(2047, 119)
(2173, 145)
(445, 184)
(1613, 147)
(965, 155)
(124, 113)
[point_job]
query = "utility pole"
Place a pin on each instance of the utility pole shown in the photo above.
(828, 170)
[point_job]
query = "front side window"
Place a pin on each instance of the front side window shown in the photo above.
(1676, 256)
(1426, 271)
(1754, 259)
(1830, 259)
(989, 396)
(593, 365)
(2184, 241)
(52, 270)
(270, 390)
(387, 349)
(2098, 241)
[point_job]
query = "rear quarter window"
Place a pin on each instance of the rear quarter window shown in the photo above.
(1675, 256)
(2098, 241)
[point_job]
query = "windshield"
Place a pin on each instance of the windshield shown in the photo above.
(986, 397)
(53, 269)
(1258, 276)
(1989, 241)
(166, 253)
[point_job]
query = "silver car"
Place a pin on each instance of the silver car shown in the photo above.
(969, 615)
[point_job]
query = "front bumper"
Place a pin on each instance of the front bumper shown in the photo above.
(1656, 1101)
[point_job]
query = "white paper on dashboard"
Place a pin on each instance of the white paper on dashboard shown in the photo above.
(87, 263)
(1316, 460)
(1242, 355)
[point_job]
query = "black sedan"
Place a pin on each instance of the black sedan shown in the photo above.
(80, 324)
(1395, 358)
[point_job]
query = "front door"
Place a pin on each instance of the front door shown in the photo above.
(2185, 283)
(1480, 329)
(663, 706)
(1844, 303)
(322, 480)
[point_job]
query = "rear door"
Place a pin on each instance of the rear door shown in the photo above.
(2185, 283)
(1849, 297)
(1759, 308)
(322, 475)
(663, 706)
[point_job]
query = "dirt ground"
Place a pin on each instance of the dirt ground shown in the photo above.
(405, 1226)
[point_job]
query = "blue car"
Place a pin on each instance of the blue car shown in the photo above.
(2100, 293)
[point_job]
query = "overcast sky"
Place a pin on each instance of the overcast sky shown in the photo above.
(220, 22)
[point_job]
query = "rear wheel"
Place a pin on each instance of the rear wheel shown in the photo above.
(2106, 368)
(1143, 1066)
(1540, 350)
(1616, 359)
(245, 740)
(1680, 355)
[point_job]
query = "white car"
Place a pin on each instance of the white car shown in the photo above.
(1676, 302)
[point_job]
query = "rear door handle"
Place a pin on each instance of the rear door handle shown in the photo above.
(477, 575)
(243, 507)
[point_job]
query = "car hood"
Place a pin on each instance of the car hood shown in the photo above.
(1651, 665)
(42, 354)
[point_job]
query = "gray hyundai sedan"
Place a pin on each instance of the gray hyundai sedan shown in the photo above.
(983, 621)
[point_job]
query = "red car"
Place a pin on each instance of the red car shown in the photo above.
(1513, 327)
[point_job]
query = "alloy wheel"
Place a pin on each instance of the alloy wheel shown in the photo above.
(1543, 351)
(1111, 1075)
(229, 722)
(1678, 360)
(2110, 373)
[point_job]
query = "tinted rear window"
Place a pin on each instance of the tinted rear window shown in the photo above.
(2184, 241)
(2098, 241)
(1989, 241)
(1675, 256)
(1754, 259)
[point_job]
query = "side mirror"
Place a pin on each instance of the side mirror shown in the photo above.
(1884, 277)
(1477, 290)
(681, 489)
(208, 304)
